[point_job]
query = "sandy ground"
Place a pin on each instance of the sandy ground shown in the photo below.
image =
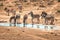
(16, 33)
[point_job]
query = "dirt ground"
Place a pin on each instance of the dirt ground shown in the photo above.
(16, 33)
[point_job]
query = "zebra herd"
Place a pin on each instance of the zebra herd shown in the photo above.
(44, 15)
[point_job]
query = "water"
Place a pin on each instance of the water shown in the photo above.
(35, 26)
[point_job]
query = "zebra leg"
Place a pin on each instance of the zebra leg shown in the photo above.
(8, 13)
(14, 22)
(52, 22)
(32, 22)
(10, 24)
(46, 27)
(24, 23)
(46, 21)
(10, 21)
(38, 21)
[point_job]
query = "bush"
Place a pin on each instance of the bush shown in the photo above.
(33, 0)
(1, 4)
(25, 0)
(2, 0)
(58, 0)
(58, 11)
(34, 4)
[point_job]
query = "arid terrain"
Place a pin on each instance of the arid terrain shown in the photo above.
(28, 6)
(16, 33)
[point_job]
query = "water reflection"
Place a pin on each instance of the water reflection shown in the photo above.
(40, 26)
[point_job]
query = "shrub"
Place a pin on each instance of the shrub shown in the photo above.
(33, 0)
(58, 0)
(1, 4)
(58, 11)
(25, 0)
(2, 0)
